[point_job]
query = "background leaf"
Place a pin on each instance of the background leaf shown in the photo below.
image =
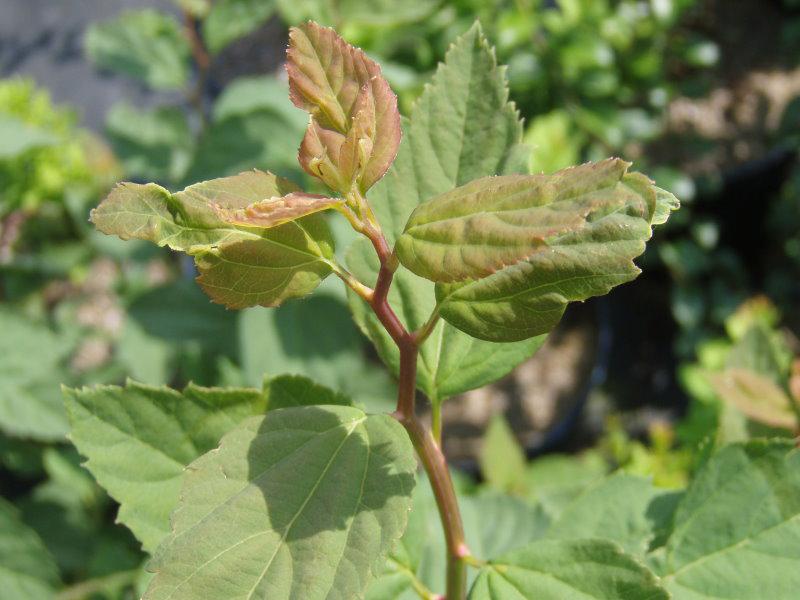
(228, 20)
(560, 570)
(145, 44)
(27, 571)
(334, 502)
(30, 375)
(737, 529)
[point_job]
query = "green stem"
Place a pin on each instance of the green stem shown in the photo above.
(436, 420)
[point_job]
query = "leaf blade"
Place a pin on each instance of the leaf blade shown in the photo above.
(325, 441)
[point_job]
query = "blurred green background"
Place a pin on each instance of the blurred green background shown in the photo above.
(702, 95)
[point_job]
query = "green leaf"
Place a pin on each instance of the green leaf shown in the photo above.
(246, 95)
(355, 126)
(18, 136)
(625, 509)
(303, 503)
(238, 266)
(355, 12)
(256, 139)
(138, 439)
(502, 459)
(607, 219)
(450, 361)
(315, 338)
(145, 44)
(567, 570)
(228, 20)
(27, 571)
(736, 531)
(30, 376)
(461, 128)
(155, 144)
(556, 480)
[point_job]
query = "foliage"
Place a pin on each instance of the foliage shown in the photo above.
(318, 494)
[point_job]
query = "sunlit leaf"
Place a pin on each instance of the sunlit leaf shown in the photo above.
(303, 503)
(502, 459)
(238, 266)
(278, 210)
(587, 258)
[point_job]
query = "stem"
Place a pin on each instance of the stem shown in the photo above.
(436, 420)
(202, 61)
(430, 454)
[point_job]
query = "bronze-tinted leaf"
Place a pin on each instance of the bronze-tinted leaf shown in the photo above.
(277, 210)
(758, 397)
(354, 131)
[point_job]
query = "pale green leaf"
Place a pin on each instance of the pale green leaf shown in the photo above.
(303, 503)
(625, 509)
(736, 531)
(16, 137)
(27, 571)
(228, 20)
(585, 259)
(246, 95)
(502, 459)
(556, 480)
(30, 376)
(567, 570)
(148, 45)
(239, 266)
(138, 439)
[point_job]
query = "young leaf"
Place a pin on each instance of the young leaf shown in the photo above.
(554, 570)
(239, 266)
(586, 259)
(442, 149)
(303, 503)
(27, 571)
(736, 531)
(355, 125)
(477, 229)
(757, 396)
(138, 439)
(146, 44)
(275, 211)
